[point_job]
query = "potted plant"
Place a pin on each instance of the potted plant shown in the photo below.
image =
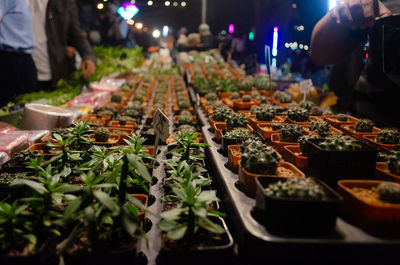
(235, 152)
(298, 116)
(234, 137)
(390, 169)
(297, 155)
(304, 206)
(263, 161)
(245, 103)
(322, 128)
(102, 136)
(341, 119)
(386, 138)
(264, 114)
(289, 134)
(266, 129)
(361, 128)
(339, 157)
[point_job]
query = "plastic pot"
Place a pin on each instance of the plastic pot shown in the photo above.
(218, 128)
(293, 155)
(254, 122)
(297, 216)
(331, 166)
(383, 173)
(265, 130)
(129, 125)
(113, 139)
(372, 139)
(337, 124)
(375, 217)
(349, 129)
(234, 158)
(278, 145)
(238, 104)
(122, 136)
(249, 179)
(211, 255)
(144, 200)
(306, 123)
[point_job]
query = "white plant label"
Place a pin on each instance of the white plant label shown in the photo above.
(161, 125)
(306, 86)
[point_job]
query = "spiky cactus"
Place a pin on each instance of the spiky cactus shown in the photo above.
(265, 114)
(303, 141)
(388, 136)
(221, 114)
(247, 83)
(235, 95)
(394, 163)
(246, 98)
(319, 127)
(276, 126)
(306, 105)
(237, 134)
(298, 115)
(260, 160)
(291, 133)
(236, 120)
(342, 117)
(328, 113)
(389, 192)
(263, 82)
(251, 143)
(285, 98)
(211, 96)
(101, 134)
(116, 97)
(364, 126)
(300, 188)
(316, 111)
(340, 143)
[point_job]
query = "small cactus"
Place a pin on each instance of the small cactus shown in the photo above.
(265, 114)
(299, 188)
(260, 160)
(211, 96)
(247, 83)
(236, 120)
(364, 126)
(101, 134)
(116, 97)
(303, 141)
(394, 163)
(388, 136)
(319, 127)
(316, 111)
(235, 95)
(389, 192)
(298, 115)
(342, 117)
(246, 98)
(306, 105)
(237, 134)
(291, 133)
(340, 143)
(252, 143)
(276, 126)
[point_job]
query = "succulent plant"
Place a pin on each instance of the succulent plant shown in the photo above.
(364, 126)
(265, 114)
(126, 87)
(388, 136)
(306, 104)
(247, 83)
(184, 103)
(319, 127)
(236, 120)
(285, 98)
(303, 141)
(105, 112)
(186, 128)
(185, 118)
(339, 143)
(221, 114)
(246, 98)
(260, 160)
(291, 133)
(394, 163)
(299, 188)
(342, 117)
(116, 97)
(276, 126)
(263, 82)
(316, 111)
(211, 96)
(101, 134)
(254, 109)
(237, 134)
(124, 119)
(328, 113)
(298, 115)
(133, 112)
(253, 143)
(389, 192)
(235, 95)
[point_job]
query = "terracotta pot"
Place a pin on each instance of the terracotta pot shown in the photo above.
(376, 217)
(112, 140)
(264, 128)
(218, 128)
(123, 137)
(253, 120)
(337, 124)
(307, 123)
(383, 173)
(234, 158)
(247, 179)
(223, 95)
(212, 122)
(129, 125)
(349, 129)
(228, 102)
(238, 104)
(278, 145)
(332, 130)
(94, 116)
(372, 139)
(293, 155)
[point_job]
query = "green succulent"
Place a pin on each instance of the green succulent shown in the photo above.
(236, 120)
(221, 114)
(306, 105)
(364, 126)
(105, 112)
(184, 103)
(389, 192)
(340, 143)
(126, 87)
(276, 126)
(298, 115)
(299, 188)
(185, 118)
(186, 128)
(247, 83)
(316, 111)
(342, 117)
(116, 97)
(252, 143)
(328, 113)
(211, 96)
(246, 98)
(124, 119)
(263, 82)
(319, 127)
(260, 160)
(101, 134)
(303, 141)
(254, 109)
(394, 163)
(265, 114)
(235, 95)
(388, 136)
(291, 133)
(237, 134)
(133, 112)
(285, 98)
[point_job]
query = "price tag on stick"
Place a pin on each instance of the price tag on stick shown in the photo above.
(161, 125)
(306, 86)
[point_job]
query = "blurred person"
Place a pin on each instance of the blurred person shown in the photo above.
(55, 26)
(237, 51)
(339, 39)
(169, 40)
(109, 27)
(17, 69)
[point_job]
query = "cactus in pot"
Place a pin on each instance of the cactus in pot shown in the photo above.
(388, 136)
(316, 111)
(263, 82)
(340, 143)
(291, 133)
(235, 95)
(305, 104)
(237, 134)
(342, 117)
(236, 120)
(394, 163)
(221, 114)
(303, 141)
(298, 115)
(246, 98)
(364, 126)
(299, 188)
(285, 98)
(389, 192)
(265, 114)
(262, 160)
(247, 83)
(319, 127)
(211, 96)
(101, 134)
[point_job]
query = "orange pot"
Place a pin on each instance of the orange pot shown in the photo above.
(223, 95)
(292, 154)
(218, 128)
(93, 116)
(349, 129)
(234, 158)
(253, 120)
(129, 125)
(307, 123)
(383, 173)
(113, 139)
(372, 139)
(129, 132)
(238, 104)
(245, 113)
(278, 145)
(228, 102)
(101, 122)
(249, 179)
(382, 218)
(264, 128)
(337, 124)
(144, 200)
(332, 130)
(39, 148)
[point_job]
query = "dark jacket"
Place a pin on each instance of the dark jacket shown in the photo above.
(62, 29)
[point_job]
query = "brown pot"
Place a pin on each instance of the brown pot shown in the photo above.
(129, 125)
(293, 155)
(238, 104)
(113, 139)
(253, 120)
(278, 145)
(372, 139)
(144, 200)
(337, 124)
(234, 156)
(383, 173)
(129, 132)
(349, 129)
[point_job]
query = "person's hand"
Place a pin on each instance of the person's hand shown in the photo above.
(359, 14)
(88, 68)
(71, 51)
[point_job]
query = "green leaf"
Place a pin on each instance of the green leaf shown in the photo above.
(172, 214)
(67, 188)
(208, 196)
(178, 232)
(141, 169)
(106, 200)
(32, 241)
(30, 183)
(200, 211)
(210, 226)
(90, 213)
(166, 225)
(72, 207)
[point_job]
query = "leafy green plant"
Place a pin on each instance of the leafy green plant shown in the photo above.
(188, 148)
